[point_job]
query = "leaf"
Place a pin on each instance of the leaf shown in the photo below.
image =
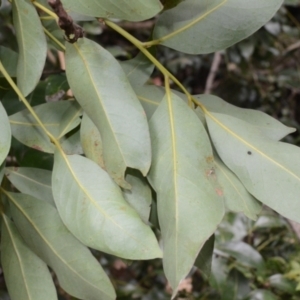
(72, 145)
(5, 134)
(26, 275)
(9, 59)
(1, 172)
(150, 97)
(198, 27)
(32, 181)
(108, 99)
(91, 141)
(237, 198)
(32, 45)
(138, 70)
(58, 118)
(269, 222)
(168, 4)
(85, 194)
(133, 10)
(56, 87)
(270, 170)
(261, 294)
(78, 272)
(189, 200)
(244, 254)
(140, 195)
(229, 283)
(271, 127)
(279, 282)
(204, 258)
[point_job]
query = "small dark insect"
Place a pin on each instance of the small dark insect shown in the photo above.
(249, 152)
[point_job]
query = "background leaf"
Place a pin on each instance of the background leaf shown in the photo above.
(198, 27)
(112, 105)
(150, 96)
(204, 258)
(9, 59)
(58, 118)
(5, 134)
(261, 294)
(270, 170)
(138, 70)
(32, 45)
(140, 195)
(32, 181)
(91, 141)
(85, 194)
(190, 203)
(26, 275)
(135, 10)
(244, 254)
(78, 272)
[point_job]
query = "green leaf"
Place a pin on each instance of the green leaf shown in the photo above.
(78, 272)
(150, 97)
(170, 3)
(269, 222)
(244, 254)
(1, 172)
(5, 134)
(91, 141)
(72, 145)
(230, 284)
(138, 70)
(237, 198)
(9, 59)
(32, 181)
(32, 45)
(198, 27)
(271, 127)
(261, 295)
(58, 118)
(189, 200)
(204, 258)
(26, 275)
(279, 282)
(108, 99)
(133, 10)
(270, 170)
(85, 194)
(56, 86)
(140, 195)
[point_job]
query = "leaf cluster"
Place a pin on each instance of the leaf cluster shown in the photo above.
(127, 168)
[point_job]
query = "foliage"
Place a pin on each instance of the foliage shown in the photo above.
(100, 159)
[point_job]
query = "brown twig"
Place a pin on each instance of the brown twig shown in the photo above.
(212, 73)
(72, 31)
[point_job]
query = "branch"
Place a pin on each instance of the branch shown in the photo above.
(212, 73)
(72, 31)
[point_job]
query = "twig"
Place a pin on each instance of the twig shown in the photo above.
(72, 31)
(212, 73)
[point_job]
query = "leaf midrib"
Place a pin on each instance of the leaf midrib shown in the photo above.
(192, 23)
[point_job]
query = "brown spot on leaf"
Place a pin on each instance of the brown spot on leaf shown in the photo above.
(219, 192)
(209, 159)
